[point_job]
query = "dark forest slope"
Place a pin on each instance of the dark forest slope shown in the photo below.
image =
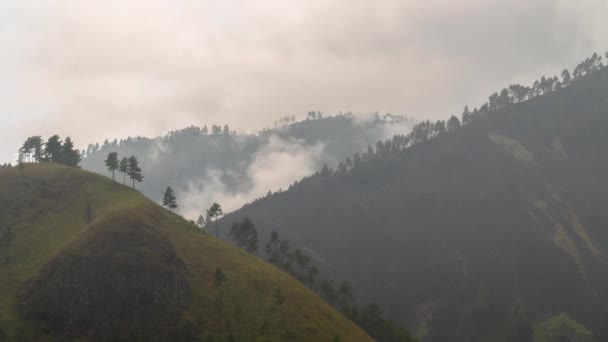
(135, 271)
(487, 232)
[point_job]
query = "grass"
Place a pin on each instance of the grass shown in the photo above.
(44, 205)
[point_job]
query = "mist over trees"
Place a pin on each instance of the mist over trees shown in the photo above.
(201, 161)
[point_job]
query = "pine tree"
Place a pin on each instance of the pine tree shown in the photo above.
(112, 163)
(169, 199)
(213, 213)
(68, 155)
(134, 171)
(123, 168)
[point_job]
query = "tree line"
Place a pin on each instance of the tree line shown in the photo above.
(36, 150)
(426, 130)
(127, 166)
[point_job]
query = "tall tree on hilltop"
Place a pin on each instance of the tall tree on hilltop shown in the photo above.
(214, 212)
(169, 199)
(112, 163)
(134, 171)
(26, 149)
(69, 156)
(123, 168)
(52, 149)
(33, 148)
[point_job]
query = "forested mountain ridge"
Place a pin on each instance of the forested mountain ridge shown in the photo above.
(495, 230)
(220, 165)
(85, 258)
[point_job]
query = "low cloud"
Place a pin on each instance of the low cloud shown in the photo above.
(275, 166)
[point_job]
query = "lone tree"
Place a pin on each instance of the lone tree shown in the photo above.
(169, 199)
(112, 163)
(214, 212)
(123, 168)
(134, 171)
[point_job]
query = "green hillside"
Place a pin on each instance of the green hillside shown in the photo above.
(485, 232)
(136, 271)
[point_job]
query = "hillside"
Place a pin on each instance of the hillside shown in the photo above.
(494, 231)
(135, 271)
(230, 168)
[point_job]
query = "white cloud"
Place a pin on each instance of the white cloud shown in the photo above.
(275, 166)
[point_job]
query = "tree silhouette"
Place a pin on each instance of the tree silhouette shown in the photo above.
(214, 212)
(69, 156)
(245, 235)
(169, 199)
(123, 168)
(200, 221)
(134, 171)
(112, 163)
(453, 123)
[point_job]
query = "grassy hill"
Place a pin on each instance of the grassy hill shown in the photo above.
(492, 230)
(136, 271)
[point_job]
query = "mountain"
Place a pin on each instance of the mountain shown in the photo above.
(493, 231)
(205, 167)
(84, 258)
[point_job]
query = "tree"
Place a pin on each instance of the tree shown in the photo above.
(33, 148)
(169, 199)
(112, 163)
(134, 171)
(245, 235)
(123, 168)
(566, 78)
(69, 156)
(466, 115)
(200, 221)
(272, 248)
(453, 123)
(214, 212)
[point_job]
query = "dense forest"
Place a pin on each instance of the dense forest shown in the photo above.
(488, 227)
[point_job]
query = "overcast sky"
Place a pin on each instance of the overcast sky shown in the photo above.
(113, 68)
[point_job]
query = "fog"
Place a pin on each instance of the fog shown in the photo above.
(275, 166)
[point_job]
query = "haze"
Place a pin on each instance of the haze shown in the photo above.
(96, 70)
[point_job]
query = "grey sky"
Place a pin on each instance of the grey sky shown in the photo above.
(97, 69)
